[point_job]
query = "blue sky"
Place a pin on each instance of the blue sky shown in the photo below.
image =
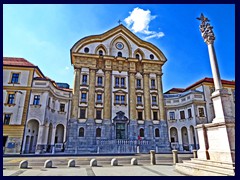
(44, 35)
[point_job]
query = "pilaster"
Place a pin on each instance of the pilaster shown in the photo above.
(91, 96)
(132, 96)
(107, 96)
(75, 96)
(147, 107)
(160, 97)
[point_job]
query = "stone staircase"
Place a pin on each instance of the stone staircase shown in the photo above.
(199, 167)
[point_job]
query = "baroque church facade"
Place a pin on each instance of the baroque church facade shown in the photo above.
(117, 101)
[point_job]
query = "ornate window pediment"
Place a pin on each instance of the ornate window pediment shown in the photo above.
(120, 116)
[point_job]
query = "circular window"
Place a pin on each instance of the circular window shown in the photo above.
(151, 56)
(86, 49)
(119, 45)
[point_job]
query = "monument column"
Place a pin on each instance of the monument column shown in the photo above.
(220, 134)
(75, 96)
(160, 97)
(147, 106)
(91, 96)
(132, 94)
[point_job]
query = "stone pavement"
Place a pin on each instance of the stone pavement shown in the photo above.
(85, 170)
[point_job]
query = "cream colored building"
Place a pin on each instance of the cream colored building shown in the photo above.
(117, 104)
(18, 76)
(186, 108)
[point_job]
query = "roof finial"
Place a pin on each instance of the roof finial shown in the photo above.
(119, 21)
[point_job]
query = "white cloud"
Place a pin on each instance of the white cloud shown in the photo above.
(156, 35)
(67, 68)
(138, 21)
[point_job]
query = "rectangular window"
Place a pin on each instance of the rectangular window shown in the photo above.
(82, 113)
(99, 98)
(7, 118)
(62, 107)
(11, 98)
(84, 97)
(84, 79)
(139, 83)
(117, 99)
(171, 115)
(189, 113)
(140, 115)
(49, 100)
(155, 115)
(99, 81)
(201, 112)
(139, 99)
(122, 99)
(98, 114)
(182, 115)
(15, 77)
(154, 100)
(117, 81)
(152, 83)
(122, 82)
(36, 100)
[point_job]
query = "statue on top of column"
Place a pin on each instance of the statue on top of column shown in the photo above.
(206, 29)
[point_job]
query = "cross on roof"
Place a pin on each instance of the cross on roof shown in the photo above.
(119, 21)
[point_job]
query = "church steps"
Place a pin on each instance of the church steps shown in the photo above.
(198, 168)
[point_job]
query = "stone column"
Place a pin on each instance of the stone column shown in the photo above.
(180, 142)
(107, 96)
(160, 97)
(190, 139)
(91, 96)
(132, 94)
(75, 96)
(147, 106)
(214, 67)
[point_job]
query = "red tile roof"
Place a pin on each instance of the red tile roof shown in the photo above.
(206, 79)
(13, 61)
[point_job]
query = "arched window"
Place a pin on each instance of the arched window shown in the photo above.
(86, 49)
(151, 56)
(141, 132)
(119, 54)
(81, 132)
(100, 53)
(157, 132)
(137, 56)
(98, 132)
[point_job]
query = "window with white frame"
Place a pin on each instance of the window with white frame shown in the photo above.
(36, 100)
(84, 97)
(84, 79)
(153, 85)
(139, 83)
(15, 78)
(182, 115)
(139, 100)
(11, 98)
(189, 113)
(99, 80)
(201, 112)
(99, 98)
(62, 107)
(172, 115)
(154, 100)
(7, 118)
